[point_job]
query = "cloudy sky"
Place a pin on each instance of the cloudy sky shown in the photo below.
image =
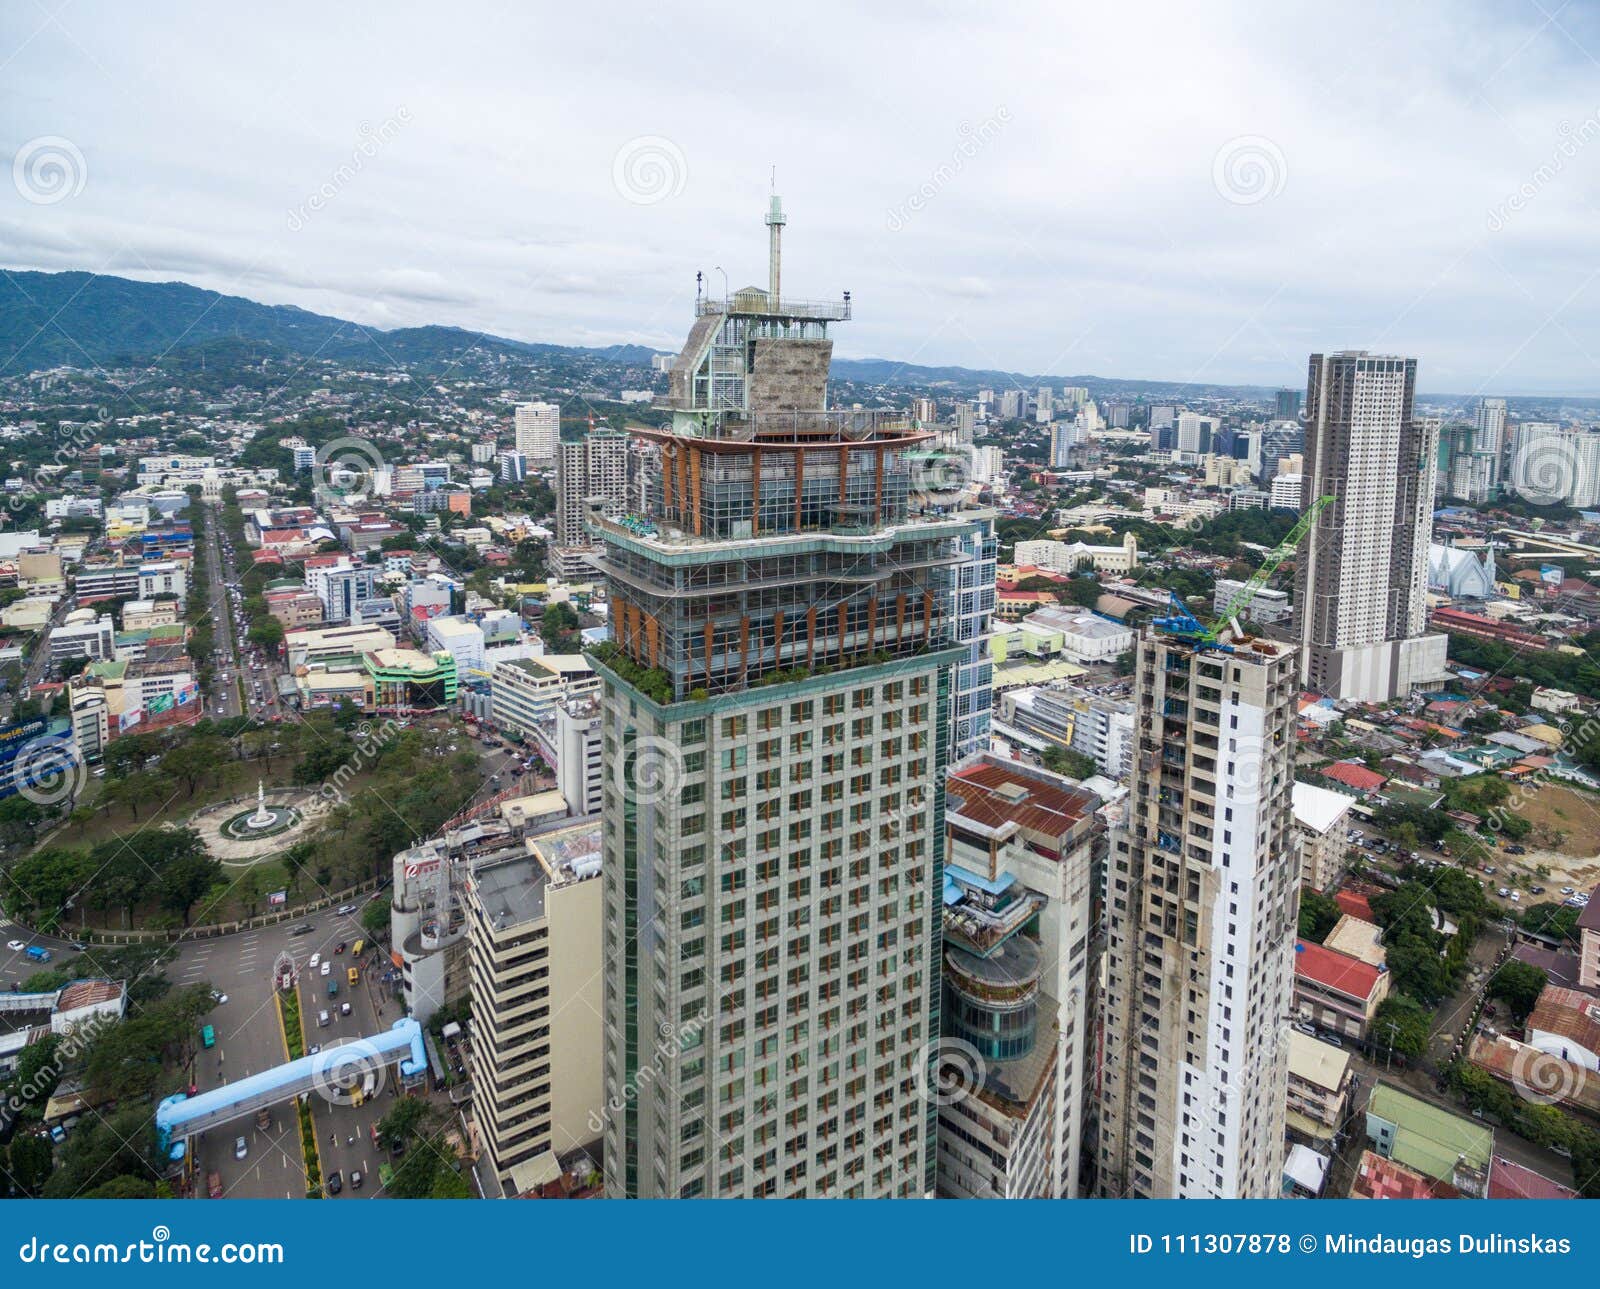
(1195, 192)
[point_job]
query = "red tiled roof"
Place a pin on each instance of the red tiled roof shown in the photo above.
(1334, 970)
(1380, 1178)
(1355, 904)
(1512, 1181)
(86, 993)
(1569, 1013)
(1353, 775)
(1048, 808)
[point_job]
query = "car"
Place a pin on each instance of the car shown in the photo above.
(1572, 903)
(316, 958)
(345, 910)
(214, 1184)
(335, 1182)
(1516, 897)
(397, 1147)
(1332, 1040)
(264, 1119)
(325, 968)
(1536, 890)
(344, 1009)
(1488, 868)
(313, 1049)
(218, 998)
(1566, 890)
(356, 1179)
(1304, 1027)
(323, 1019)
(339, 948)
(16, 946)
(1503, 892)
(305, 928)
(241, 1147)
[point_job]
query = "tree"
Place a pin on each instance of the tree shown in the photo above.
(1518, 985)
(1069, 762)
(1555, 920)
(28, 1162)
(1083, 591)
(375, 917)
(1410, 1022)
(559, 627)
(1318, 914)
(184, 880)
(403, 1120)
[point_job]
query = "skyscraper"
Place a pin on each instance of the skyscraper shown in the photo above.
(776, 706)
(1288, 405)
(593, 470)
(538, 432)
(1202, 889)
(1044, 410)
(1360, 584)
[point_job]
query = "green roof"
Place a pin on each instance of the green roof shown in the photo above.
(1430, 1138)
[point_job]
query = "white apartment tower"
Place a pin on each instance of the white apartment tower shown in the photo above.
(1201, 899)
(538, 432)
(1361, 582)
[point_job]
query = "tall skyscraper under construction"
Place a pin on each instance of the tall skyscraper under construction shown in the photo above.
(1201, 902)
(777, 723)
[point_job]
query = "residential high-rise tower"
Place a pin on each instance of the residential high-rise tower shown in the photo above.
(1202, 896)
(1362, 577)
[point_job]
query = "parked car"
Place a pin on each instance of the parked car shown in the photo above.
(1503, 892)
(1536, 890)
(1489, 868)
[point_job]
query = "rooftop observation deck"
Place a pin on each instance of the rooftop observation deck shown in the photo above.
(711, 428)
(754, 301)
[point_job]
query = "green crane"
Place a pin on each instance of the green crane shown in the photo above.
(1269, 566)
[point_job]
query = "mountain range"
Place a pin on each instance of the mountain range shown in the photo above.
(81, 319)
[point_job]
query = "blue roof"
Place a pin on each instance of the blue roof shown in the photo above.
(968, 878)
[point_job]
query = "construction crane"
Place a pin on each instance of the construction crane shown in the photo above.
(1183, 623)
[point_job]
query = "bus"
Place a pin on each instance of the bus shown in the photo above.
(208, 1037)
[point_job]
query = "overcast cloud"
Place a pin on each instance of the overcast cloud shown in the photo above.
(1186, 192)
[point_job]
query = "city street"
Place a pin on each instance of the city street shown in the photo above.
(250, 1040)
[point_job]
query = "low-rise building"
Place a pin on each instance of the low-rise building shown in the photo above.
(1321, 817)
(1566, 1024)
(1336, 992)
(524, 691)
(1430, 1140)
(1319, 1087)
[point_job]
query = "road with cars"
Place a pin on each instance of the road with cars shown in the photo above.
(249, 1039)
